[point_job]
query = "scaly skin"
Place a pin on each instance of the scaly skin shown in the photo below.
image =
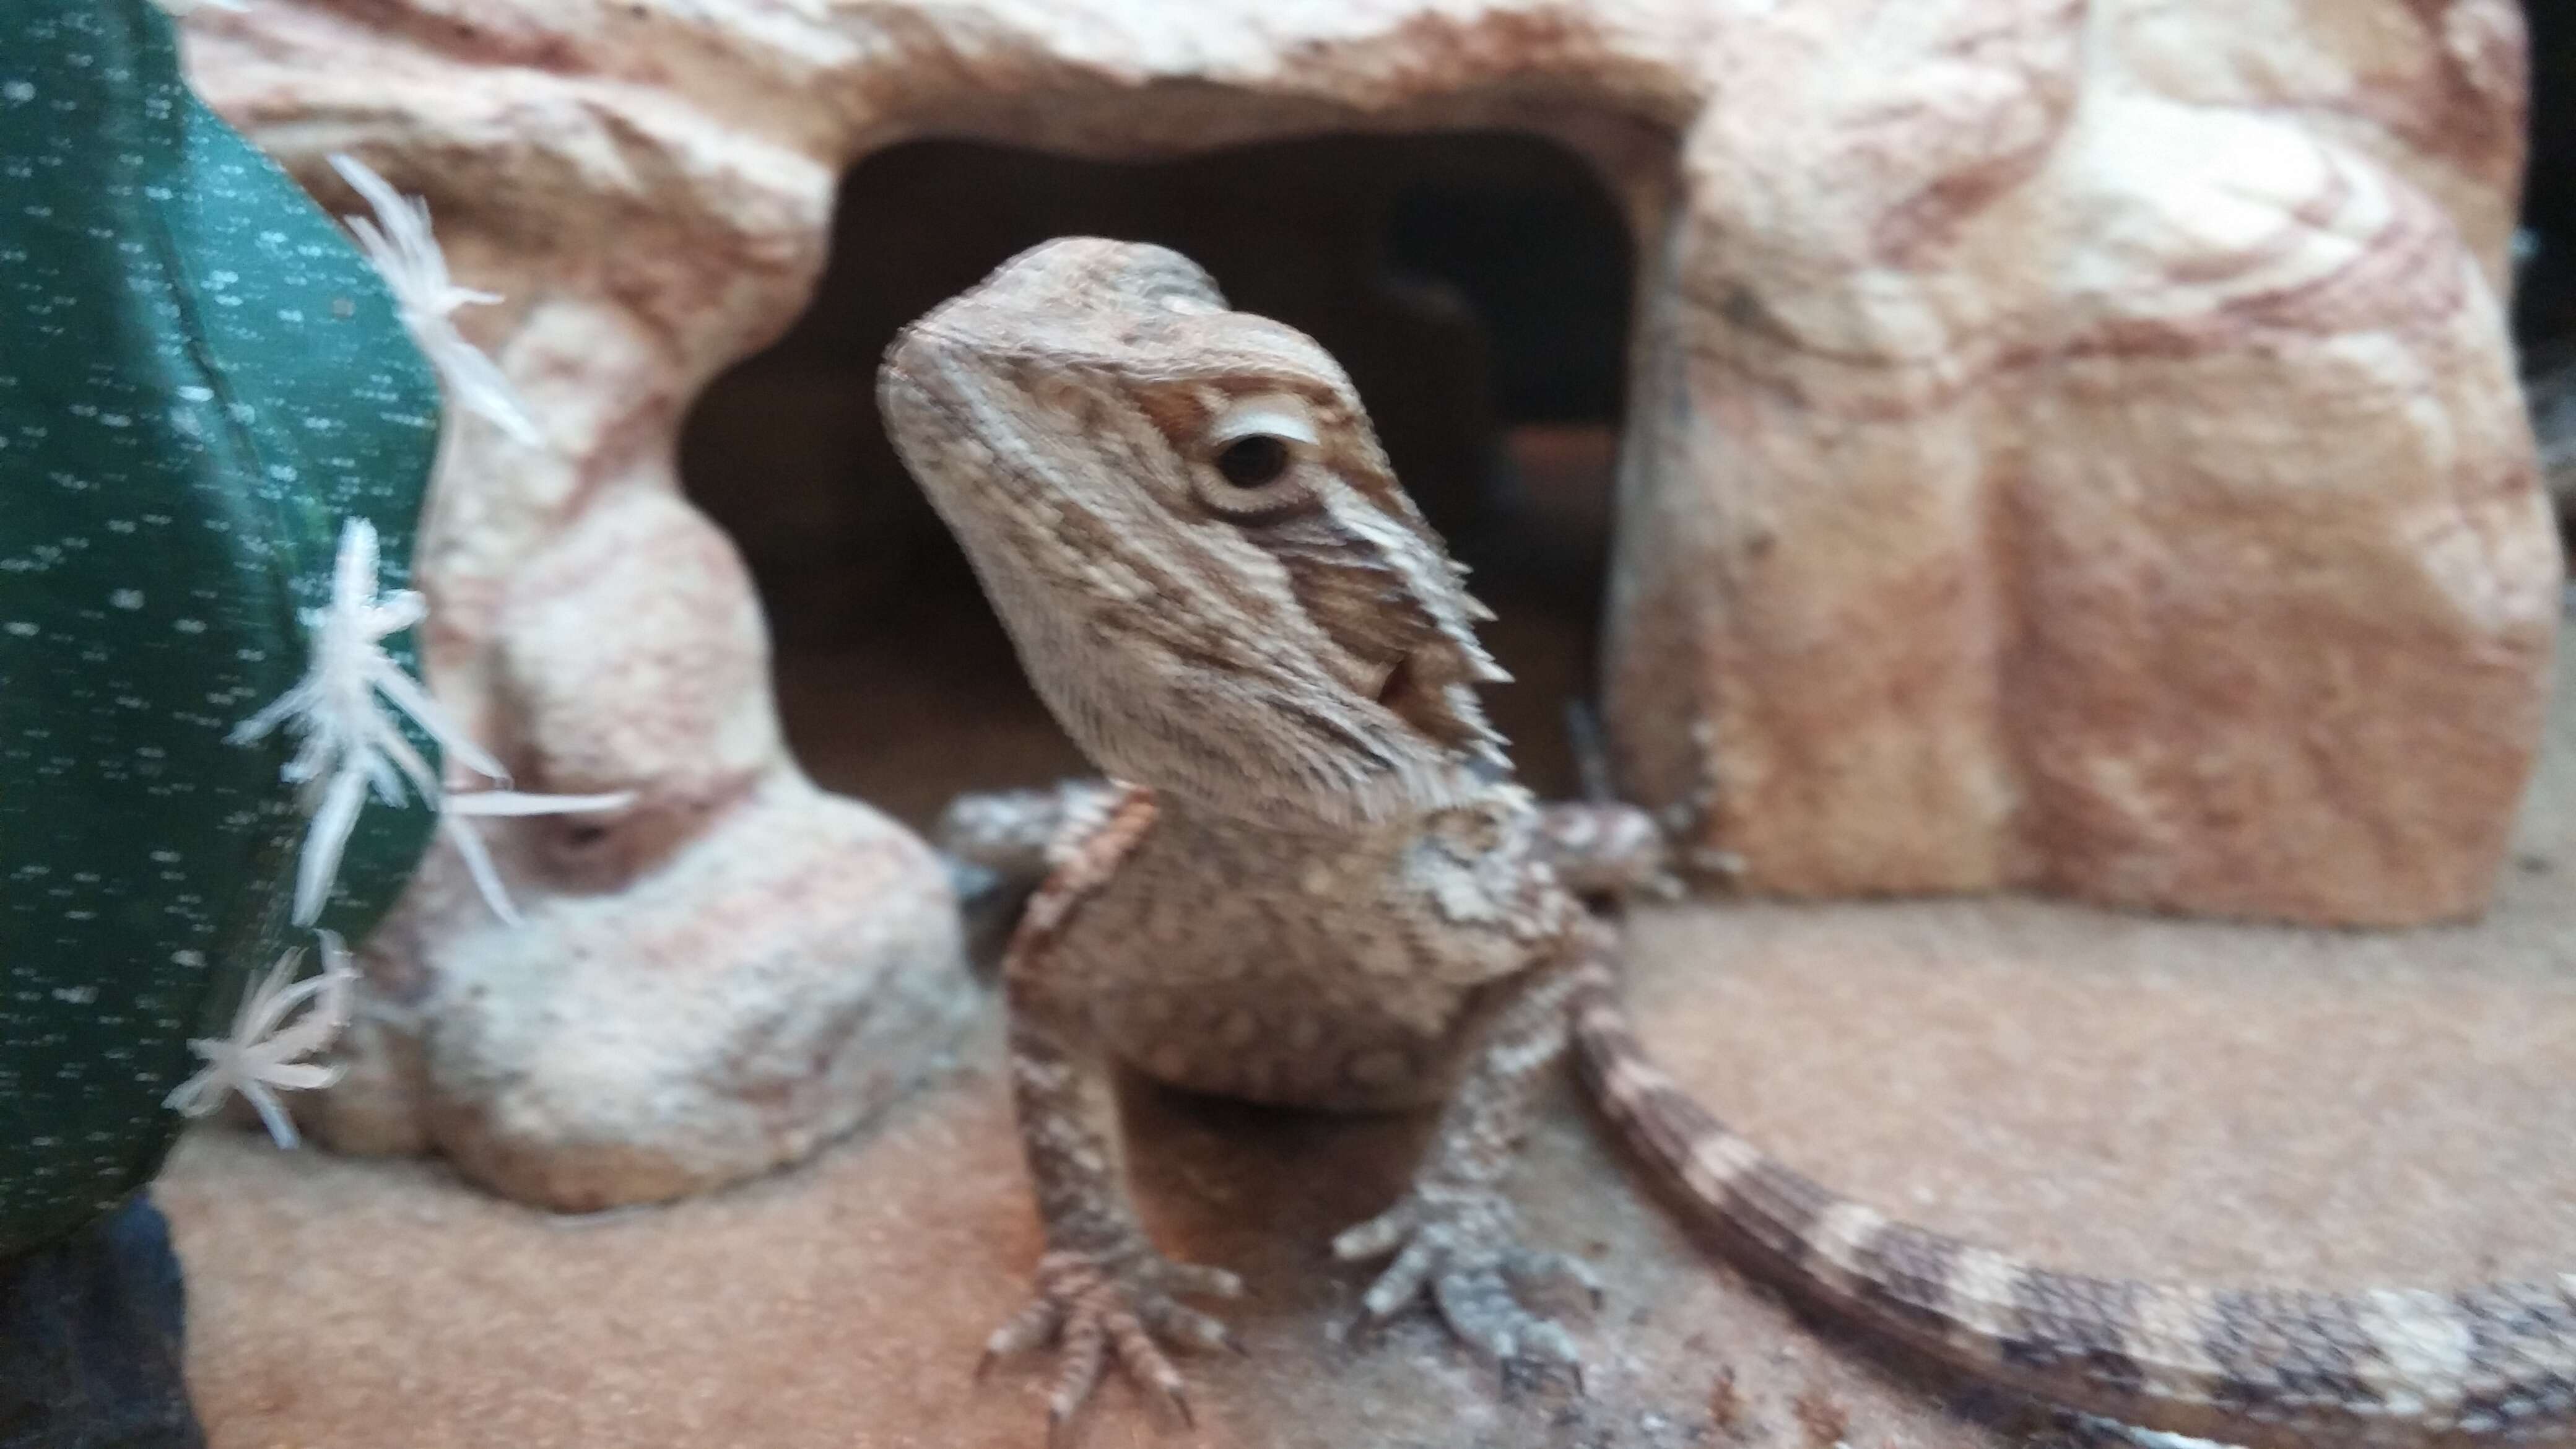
(1318, 886)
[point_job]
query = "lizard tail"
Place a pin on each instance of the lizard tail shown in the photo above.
(2474, 1369)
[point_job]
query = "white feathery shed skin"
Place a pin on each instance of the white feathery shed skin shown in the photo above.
(1317, 885)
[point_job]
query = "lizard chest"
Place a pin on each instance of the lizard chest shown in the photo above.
(1345, 972)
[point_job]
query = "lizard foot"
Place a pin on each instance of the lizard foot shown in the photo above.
(1100, 1305)
(1463, 1244)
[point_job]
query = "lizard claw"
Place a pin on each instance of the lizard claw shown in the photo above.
(1462, 1246)
(1100, 1306)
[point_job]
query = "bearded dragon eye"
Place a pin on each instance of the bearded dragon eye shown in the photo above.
(1251, 461)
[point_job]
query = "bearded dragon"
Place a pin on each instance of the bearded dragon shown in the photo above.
(1315, 882)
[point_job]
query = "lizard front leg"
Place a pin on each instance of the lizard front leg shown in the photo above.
(1605, 850)
(1023, 835)
(1103, 1289)
(1455, 1233)
(1001, 845)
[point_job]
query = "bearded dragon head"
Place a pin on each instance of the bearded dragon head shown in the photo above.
(1187, 525)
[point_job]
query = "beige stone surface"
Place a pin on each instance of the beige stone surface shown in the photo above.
(707, 984)
(775, 981)
(780, 981)
(2103, 470)
(2108, 1092)
(2071, 445)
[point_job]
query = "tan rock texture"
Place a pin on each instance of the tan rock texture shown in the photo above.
(2102, 468)
(708, 985)
(2070, 445)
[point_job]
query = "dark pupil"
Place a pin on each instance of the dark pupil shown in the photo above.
(1253, 461)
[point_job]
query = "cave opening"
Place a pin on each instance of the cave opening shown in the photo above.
(1476, 286)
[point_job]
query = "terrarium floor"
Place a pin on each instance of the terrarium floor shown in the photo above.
(2115, 1094)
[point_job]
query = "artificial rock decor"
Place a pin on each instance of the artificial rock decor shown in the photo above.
(2113, 482)
(703, 987)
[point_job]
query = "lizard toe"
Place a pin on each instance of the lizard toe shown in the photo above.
(1476, 1302)
(1461, 1246)
(1535, 1269)
(1186, 1325)
(1100, 1307)
(1379, 1235)
(1403, 1279)
(1038, 1323)
(1197, 1279)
